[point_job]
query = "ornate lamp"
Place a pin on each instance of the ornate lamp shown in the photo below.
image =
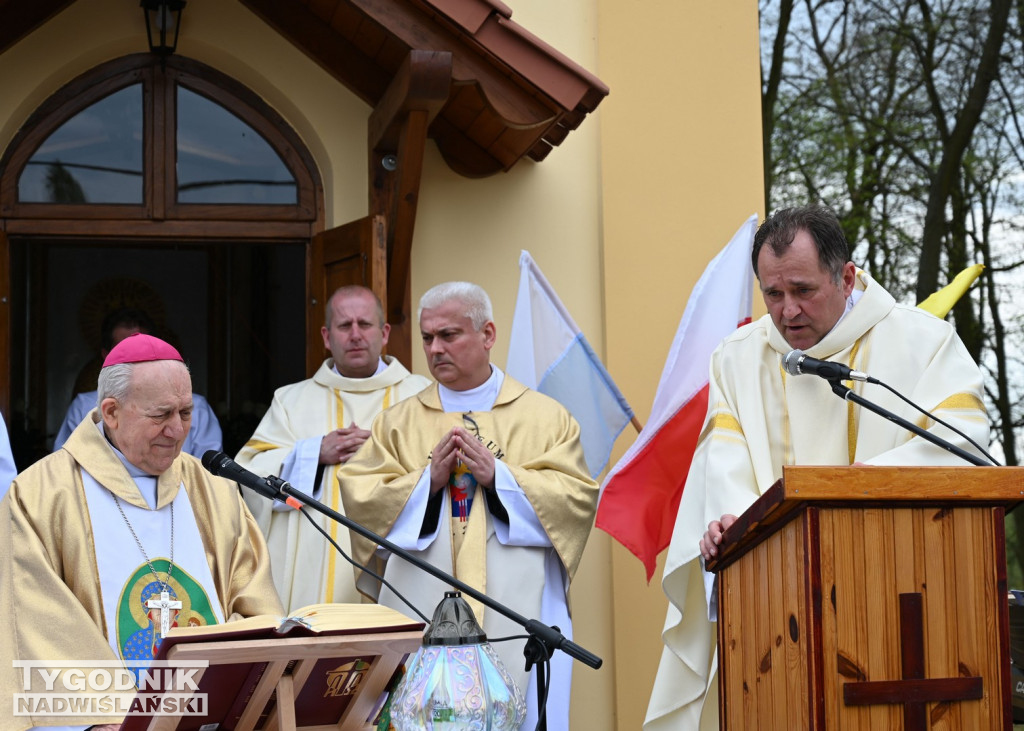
(456, 680)
(163, 22)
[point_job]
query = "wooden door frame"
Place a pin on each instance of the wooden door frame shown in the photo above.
(396, 142)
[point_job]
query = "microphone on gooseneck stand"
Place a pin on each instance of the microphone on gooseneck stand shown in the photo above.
(797, 363)
(277, 489)
(220, 464)
(272, 487)
(542, 640)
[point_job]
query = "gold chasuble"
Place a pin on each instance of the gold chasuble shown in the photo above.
(524, 559)
(50, 583)
(528, 432)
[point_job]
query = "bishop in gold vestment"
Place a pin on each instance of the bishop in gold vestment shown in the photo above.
(115, 516)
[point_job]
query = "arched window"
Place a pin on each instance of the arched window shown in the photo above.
(174, 180)
(131, 140)
(221, 159)
(94, 157)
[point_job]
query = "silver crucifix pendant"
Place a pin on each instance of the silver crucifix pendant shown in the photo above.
(165, 605)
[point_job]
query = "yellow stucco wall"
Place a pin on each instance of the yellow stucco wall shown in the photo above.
(621, 218)
(681, 170)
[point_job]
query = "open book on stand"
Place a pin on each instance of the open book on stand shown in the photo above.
(324, 665)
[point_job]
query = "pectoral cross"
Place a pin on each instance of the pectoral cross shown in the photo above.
(165, 605)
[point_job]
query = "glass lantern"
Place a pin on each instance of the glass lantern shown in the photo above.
(456, 680)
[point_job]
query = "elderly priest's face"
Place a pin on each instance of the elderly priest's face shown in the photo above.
(151, 423)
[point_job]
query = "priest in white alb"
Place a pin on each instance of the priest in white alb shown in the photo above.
(117, 537)
(759, 419)
(483, 478)
(312, 428)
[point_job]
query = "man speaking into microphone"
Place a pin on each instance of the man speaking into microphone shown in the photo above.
(762, 414)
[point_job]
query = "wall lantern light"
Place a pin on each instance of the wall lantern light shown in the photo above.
(163, 21)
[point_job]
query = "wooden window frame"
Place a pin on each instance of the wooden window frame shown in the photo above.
(159, 160)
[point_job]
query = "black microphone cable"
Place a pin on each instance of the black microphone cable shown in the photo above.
(270, 487)
(541, 710)
(939, 421)
(833, 372)
(365, 569)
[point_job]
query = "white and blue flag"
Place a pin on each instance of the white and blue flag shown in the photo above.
(548, 353)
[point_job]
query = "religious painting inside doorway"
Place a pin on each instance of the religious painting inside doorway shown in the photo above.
(235, 311)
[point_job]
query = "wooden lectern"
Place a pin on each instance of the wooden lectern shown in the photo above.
(868, 598)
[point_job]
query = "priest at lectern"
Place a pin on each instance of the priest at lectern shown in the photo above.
(114, 539)
(760, 418)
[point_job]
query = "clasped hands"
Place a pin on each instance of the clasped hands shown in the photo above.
(339, 445)
(458, 445)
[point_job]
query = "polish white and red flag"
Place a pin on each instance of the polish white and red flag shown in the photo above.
(640, 495)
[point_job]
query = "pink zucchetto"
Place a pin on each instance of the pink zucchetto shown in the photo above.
(141, 348)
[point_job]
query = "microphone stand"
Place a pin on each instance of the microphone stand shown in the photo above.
(543, 639)
(848, 394)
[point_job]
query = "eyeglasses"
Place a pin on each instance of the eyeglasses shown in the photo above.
(470, 423)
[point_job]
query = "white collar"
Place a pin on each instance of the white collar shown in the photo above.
(143, 480)
(480, 398)
(851, 301)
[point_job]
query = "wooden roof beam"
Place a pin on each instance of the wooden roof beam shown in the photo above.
(397, 138)
(21, 18)
(319, 41)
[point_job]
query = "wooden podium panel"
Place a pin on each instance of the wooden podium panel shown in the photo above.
(868, 598)
(329, 667)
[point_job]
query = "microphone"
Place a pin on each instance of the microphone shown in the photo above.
(797, 363)
(220, 464)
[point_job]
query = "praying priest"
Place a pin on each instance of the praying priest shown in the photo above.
(483, 478)
(312, 428)
(117, 537)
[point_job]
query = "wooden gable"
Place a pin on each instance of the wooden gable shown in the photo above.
(512, 96)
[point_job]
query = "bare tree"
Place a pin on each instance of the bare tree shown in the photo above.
(905, 117)
(945, 210)
(771, 78)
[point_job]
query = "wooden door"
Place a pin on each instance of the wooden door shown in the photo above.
(5, 327)
(355, 253)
